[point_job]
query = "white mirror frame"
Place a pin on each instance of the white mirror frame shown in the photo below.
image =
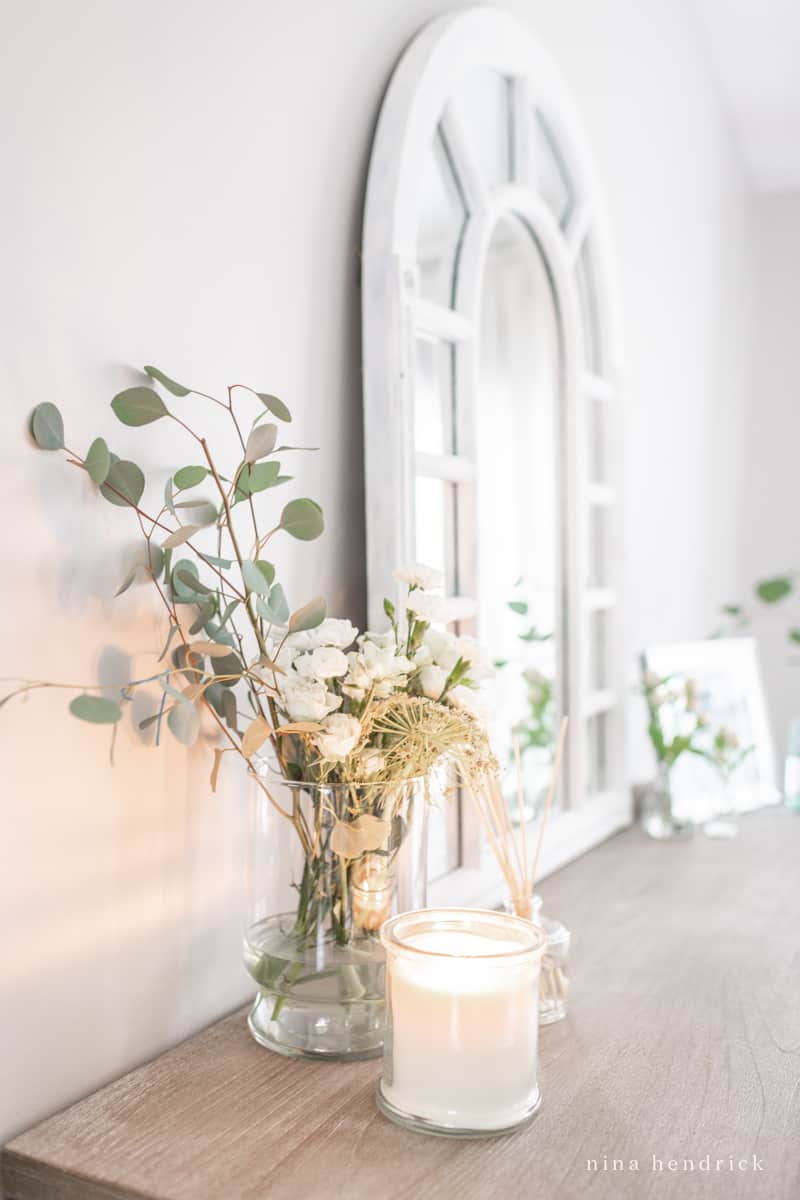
(420, 100)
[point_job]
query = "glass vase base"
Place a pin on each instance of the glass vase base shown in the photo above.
(663, 829)
(424, 1125)
(315, 1034)
(316, 998)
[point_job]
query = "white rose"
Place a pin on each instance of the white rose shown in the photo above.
(332, 632)
(379, 639)
(422, 657)
(306, 699)
(376, 666)
(472, 651)
(418, 576)
(467, 698)
(328, 662)
(339, 737)
(428, 606)
(443, 647)
(432, 681)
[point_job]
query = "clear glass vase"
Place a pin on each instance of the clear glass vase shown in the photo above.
(353, 856)
(659, 819)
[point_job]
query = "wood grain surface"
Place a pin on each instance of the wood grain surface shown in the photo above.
(683, 1042)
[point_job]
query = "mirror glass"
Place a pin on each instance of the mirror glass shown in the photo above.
(519, 510)
(440, 224)
(482, 104)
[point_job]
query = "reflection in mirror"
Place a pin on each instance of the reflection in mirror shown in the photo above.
(434, 506)
(552, 177)
(519, 517)
(482, 104)
(433, 398)
(440, 224)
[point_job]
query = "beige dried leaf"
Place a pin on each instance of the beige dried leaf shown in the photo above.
(257, 732)
(218, 753)
(300, 727)
(365, 833)
(211, 649)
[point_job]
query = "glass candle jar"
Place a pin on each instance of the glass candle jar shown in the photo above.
(462, 993)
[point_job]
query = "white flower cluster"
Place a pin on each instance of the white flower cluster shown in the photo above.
(332, 668)
(438, 655)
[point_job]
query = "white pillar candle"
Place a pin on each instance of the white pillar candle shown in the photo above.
(462, 990)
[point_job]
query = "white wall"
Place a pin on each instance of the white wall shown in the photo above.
(182, 185)
(770, 540)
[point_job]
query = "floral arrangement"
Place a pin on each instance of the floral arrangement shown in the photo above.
(329, 706)
(387, 706)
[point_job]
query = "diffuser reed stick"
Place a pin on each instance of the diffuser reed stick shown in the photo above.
(511, 851)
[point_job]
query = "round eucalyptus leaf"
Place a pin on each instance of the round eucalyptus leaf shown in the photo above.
(231, 664)
(127, 481)
(267, 570)
(256, 478)
(189, 578)
(139, 406)
(309, 616)
(206, 612)
(202, 512)
(277, 606)
(98, 461)
(156, 560)
(127, 581)
(188, 477)
(184, 722)
(47, 427)
(215, 695)
(229, 708)
(275, 406)
(180, 592)
(261, 442)
(303, 519)
(95, 709)
(177, 389)
(179, 536)
(254, 578)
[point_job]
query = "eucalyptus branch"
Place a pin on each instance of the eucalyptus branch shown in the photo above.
(78, 462)
(122, 482)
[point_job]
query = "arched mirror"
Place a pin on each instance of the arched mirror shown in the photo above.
(491, 363)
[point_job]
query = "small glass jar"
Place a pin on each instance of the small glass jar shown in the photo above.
(660, 819)
(554, 979)
(460, 1055)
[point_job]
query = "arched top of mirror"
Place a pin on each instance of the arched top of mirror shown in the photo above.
(477, 107)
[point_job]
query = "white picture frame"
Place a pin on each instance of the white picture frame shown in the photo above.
(730, 693)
